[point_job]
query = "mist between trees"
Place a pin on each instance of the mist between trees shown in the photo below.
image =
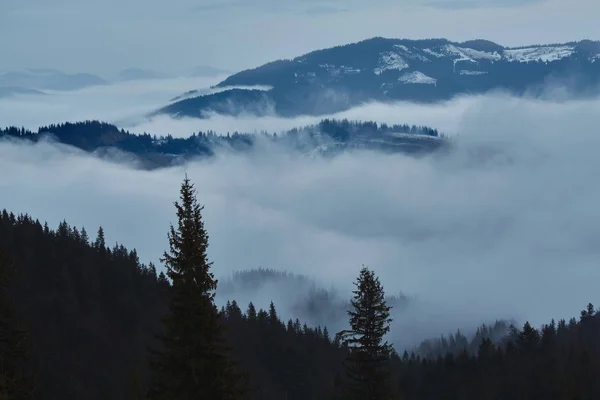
(82, 320)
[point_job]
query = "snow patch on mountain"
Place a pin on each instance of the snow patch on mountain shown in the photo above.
(479, 55)
(433, 53)
(349, 70)
(390, 60)
(411, 54)
(472, 73)
(336, 71)
(457, 52)
(305, 76)
(417, 77)
(543, 53)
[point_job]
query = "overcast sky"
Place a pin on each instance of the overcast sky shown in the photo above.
(105, 36)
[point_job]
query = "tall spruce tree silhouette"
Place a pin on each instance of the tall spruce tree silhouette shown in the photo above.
(194, 361)
(367, 370)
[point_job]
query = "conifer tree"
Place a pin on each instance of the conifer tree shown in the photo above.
(194, 362)
(367, 369)
(251, 313)
(84, 236)
(16, 383)
(273, 317)
(100, 243)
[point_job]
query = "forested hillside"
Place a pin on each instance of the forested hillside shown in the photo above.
(329, 136)
(92, 312)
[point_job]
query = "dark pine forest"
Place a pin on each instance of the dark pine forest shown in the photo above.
(80, 319)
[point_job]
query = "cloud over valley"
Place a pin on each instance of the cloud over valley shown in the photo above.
(505, 225)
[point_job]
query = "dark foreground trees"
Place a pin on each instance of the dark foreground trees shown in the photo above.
(367, 366)
(16, 382)
(194, 360)
(90, 312)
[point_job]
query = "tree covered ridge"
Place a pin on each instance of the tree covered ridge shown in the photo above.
(93, 135)
(92, 312)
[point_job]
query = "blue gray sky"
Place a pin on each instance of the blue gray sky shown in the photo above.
(175, 35)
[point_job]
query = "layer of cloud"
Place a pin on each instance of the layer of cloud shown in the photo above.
(506, 225)
(92, 37)
(123, 103)
(126, 104)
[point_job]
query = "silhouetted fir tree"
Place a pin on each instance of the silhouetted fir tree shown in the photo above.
(16, 382)
(84, 236)
(100, 243)
(193, 363)
(251, 313)
(528, 339)
(234, 311)
(262, 316)
(367, 365)
(273, 317)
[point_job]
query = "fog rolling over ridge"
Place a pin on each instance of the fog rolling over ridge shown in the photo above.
(504, 226)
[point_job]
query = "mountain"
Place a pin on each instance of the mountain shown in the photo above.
(327, 138)
(386, 70)
(49, 79)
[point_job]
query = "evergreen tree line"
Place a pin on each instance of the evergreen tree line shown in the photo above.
(92, 135)
(80, 320)
(317, 306)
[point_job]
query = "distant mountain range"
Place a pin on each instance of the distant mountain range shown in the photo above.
(379, 69)
(37, 80)
(32, 81)
(327, 138)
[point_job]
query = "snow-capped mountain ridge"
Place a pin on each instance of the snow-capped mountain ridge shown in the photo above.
(379, 69)
(402, 56)
(399, 57)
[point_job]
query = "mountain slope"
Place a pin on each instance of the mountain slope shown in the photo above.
(379, 69)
